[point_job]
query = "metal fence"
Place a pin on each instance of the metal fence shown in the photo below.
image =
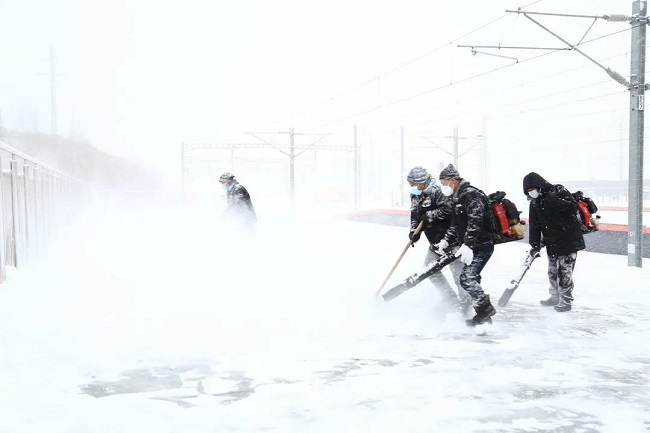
(34, 199)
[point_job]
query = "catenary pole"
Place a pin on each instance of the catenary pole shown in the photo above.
(402, 187)
(637, 110)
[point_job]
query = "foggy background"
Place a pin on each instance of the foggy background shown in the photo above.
(123, 311)
(135, 79)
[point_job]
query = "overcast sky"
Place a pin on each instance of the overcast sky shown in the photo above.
(139, 77)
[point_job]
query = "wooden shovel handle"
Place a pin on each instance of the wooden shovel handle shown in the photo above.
(399, 259)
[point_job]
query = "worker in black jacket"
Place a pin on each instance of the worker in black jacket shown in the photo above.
(554, 223)
(470, 227)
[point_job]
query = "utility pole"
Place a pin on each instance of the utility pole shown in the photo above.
(357, 178)
(183, 179)
(53, 120)
(456, 147)
(293, 155)
(402, 187)
(637, 86)
(637, 110)
(292, 167)
(456, 155)
(484, 163)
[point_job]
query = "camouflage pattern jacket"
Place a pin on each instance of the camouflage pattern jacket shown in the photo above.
(471, 220)
(434, 209)
(239, 204)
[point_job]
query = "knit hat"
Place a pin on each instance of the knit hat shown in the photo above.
(227, 177)
(449, 172)
(418, 175)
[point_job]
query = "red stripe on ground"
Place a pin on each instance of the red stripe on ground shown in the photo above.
(619, 208)
(602, 227)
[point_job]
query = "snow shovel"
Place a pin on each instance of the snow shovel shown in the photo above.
(399, 259)
(514, 283)
(420, 276)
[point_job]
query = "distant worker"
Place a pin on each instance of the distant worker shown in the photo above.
(239, 209)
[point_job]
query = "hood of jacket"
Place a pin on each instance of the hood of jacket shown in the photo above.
(534, 180)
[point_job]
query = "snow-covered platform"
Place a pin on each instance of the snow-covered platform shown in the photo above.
(161, 322)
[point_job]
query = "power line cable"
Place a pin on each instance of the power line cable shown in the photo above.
(407, 98)
(504, 89)
(519, 112)
(453, 83)
(403, 65)
(519, 102)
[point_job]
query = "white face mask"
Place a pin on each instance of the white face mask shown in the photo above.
(446, 190)
(533, 194)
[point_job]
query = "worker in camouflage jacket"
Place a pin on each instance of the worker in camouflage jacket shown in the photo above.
(470, 227)
(554, 223)
(430, 206)
(239, 207)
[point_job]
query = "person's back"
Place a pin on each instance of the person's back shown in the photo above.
(470, 218)
(239, 207)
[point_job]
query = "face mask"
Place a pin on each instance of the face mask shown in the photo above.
(446, 190)
(224, 186)
(415, 191)
(533, 194)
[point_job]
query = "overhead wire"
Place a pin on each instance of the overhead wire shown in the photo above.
(401, 66)
(526, 111)
(505, 89)
(452, 83)
(495, 120)
(417, 95)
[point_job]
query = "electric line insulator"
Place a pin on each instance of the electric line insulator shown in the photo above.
(618, 77)
(617, 17)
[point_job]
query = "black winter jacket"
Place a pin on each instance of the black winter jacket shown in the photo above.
(434, 209)
(553, 218)
(470, 224)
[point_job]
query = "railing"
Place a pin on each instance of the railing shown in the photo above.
(34, 198)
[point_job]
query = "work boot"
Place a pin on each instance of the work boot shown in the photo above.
(563, 305)
(550, 302)
(484, 312)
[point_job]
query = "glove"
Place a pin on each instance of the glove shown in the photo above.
(441, 246)
(414, 237)
(465, 253)
(534, 250)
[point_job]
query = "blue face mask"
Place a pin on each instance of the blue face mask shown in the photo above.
(415, 191)
(533, 194)
(224, 186)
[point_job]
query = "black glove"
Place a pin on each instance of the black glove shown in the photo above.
(534, 250)
(414, 237)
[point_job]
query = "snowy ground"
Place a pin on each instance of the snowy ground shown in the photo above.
(158, 322)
